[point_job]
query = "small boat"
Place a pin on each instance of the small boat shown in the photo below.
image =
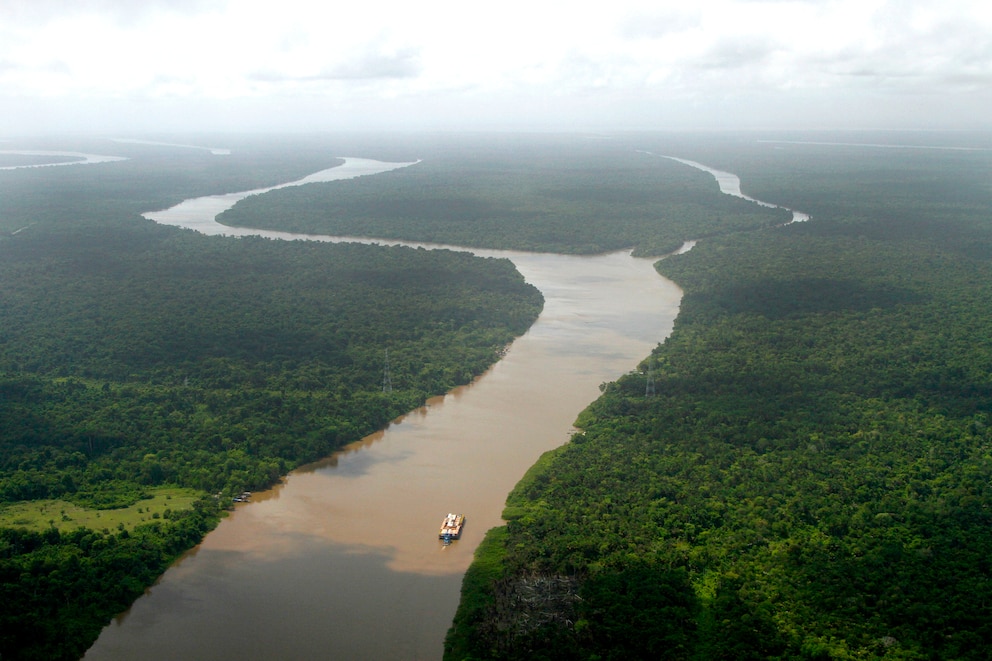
(451, 527)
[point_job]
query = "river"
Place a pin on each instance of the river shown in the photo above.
(58, 158)
(730, 184)
(341, 560)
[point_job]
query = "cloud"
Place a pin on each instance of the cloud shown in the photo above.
(658, 24)
(123, 12)
(734, 53)
(624, 59)
(404, 63)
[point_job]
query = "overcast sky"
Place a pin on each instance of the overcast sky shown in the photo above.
(124, 66)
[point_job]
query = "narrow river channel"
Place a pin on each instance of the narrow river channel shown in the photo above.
(341, 560)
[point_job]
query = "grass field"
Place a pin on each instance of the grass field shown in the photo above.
(41, 514)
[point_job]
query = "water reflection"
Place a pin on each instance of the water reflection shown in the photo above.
(342, 560)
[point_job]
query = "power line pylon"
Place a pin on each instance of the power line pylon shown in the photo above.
(387, 381)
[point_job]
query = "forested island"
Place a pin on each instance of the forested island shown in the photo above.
(801, 470)
(150, 375)
(563, 194)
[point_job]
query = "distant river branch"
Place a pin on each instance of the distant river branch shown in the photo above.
(730, 184)
(342, 560)
(68, 158)
(201, 213)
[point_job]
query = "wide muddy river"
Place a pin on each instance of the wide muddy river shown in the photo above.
(342, 560)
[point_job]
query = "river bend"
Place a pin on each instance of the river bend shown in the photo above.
(341, 560)
(59, 158)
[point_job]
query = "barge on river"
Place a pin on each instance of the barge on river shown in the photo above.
(451, 527)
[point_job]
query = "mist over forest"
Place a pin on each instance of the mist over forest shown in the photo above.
(801, 469)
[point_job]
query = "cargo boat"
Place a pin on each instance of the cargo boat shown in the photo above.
(451, 527)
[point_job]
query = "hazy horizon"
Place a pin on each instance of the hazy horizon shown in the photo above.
(110, 66)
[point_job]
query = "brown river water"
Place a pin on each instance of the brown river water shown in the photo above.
(342, 560)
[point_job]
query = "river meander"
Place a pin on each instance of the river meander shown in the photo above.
(56, 158)
(341, 560)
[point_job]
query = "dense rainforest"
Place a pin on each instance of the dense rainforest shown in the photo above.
(148, 375)
(537, 193)
(803, 468)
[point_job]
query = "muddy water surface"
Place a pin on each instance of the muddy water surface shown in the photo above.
(342, 560)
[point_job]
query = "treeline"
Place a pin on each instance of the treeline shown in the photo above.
(540, 193)
(182, 346)
(57, 590)
(134, 355)
(802, 470)
(153, 178)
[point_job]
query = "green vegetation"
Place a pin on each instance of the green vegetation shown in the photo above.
(167, 357)
(40, 515)
(524, 193)
(22, 160)
(57, 589)
(811, 477)
(148, 374)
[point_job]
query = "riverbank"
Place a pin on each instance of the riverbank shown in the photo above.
(799, 469)
(91, 249)
(602, 315)
(46, 158)
(463, 451)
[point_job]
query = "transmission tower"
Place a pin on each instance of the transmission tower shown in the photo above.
(649, 386)
(387, 381)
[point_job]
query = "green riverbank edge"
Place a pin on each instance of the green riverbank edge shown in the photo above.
(40, 515)
(803, 469)
(136, 357)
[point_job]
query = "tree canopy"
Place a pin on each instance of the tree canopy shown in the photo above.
(135, 357)
(809, 475)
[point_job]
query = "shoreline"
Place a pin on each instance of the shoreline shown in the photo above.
(82, 158)
(462, 452)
